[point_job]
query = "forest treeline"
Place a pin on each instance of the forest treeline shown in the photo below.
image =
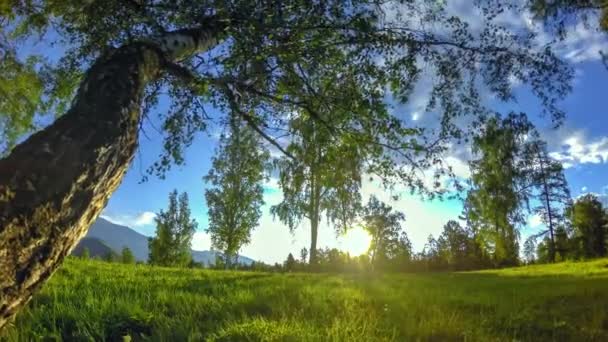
(513, 176)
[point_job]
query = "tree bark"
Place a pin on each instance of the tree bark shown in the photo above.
(548, 207)
(314, 224)
(55, 184)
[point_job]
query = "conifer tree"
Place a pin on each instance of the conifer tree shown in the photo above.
(547, 175)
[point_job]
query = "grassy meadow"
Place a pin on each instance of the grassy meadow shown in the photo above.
(93, 300)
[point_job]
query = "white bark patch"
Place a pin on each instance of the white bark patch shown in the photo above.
(180, 45)
(177, 45)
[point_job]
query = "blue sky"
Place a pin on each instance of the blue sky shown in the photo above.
(581, 143)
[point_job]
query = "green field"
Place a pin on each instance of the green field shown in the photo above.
(93, 300)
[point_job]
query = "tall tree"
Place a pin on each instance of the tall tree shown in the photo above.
(236, 193)
(323, 177)
(174, 231)
(120, 54)
(588, 219)
(498, 183)
(455, 245)
(547, 175)
(384, 226)
(563, 242)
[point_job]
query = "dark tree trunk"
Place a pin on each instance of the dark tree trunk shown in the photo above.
(547, 204)
(55, 184)
(314, 229)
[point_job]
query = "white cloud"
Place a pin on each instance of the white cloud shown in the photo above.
(145, 218)
(460, 167)
(584, 189)
(583, 43)
(201, 241)
(578, 149)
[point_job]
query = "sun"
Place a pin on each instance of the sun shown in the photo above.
(356, 241)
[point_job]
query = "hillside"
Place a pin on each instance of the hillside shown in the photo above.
(96, 247)
(93, 300)
(117, 237)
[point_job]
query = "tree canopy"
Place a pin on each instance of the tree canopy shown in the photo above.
(263, 66)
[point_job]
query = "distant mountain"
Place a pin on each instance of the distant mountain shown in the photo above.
(208, 257)
(96, 247)
(116, 237)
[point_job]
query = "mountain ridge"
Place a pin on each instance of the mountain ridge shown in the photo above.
(116, 237)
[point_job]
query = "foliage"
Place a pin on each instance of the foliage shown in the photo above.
(583, 235)
(459, 249)
(496, 202)
(276, 59)
(90, 300)
(560, 12)
(126, 256)
(110, 256)
(290, 263)
(236, 193)
(389, 244)
(321, 176)
(174, 231)
(589, 220)
(86, 254)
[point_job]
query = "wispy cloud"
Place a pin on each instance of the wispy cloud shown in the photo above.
(578, 149)
(141, 219)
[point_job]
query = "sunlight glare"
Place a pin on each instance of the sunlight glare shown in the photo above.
(356, 241)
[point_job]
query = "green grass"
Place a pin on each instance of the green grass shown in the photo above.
(91, 300)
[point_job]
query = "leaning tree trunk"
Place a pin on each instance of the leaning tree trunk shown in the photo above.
(55, 184)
